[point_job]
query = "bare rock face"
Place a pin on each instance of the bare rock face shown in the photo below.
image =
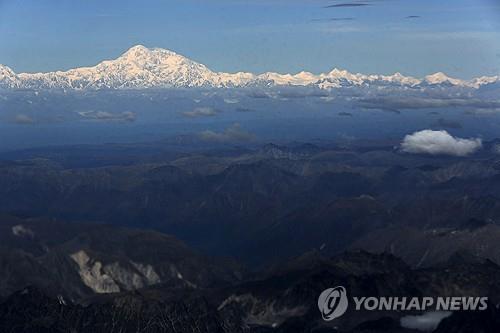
(78, 261)
(112, 278)
(93, 274)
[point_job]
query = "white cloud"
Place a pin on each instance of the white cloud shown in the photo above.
(439, 142)
(108, 116)
(231, 100)
(201, 112)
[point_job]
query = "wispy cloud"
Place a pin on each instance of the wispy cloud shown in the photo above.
(231, 100)
(258, 94)
(230, 134)
(333, 19)
(245, 110)
(349, 4)
(23, 119)
(483, 111)
(201, 112)
(108, 116)
(415, 102)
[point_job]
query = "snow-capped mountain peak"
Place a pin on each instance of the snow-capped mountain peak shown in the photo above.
(6, 71)
(145, 58)
(139, 51)
(141, 67)
(7, 77)
(483, 80)
(442, 78)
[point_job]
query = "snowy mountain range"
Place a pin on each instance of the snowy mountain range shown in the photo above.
(142, 67)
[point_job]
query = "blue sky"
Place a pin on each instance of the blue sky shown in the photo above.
(458, 37)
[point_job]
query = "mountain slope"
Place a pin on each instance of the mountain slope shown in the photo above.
(281, 300)
(81, 260)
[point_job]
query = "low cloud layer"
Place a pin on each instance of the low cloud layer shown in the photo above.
(245, 110)
(108, 116)
(201, 112)
(23, 119)
(439, 143)
(483, 111)
(422, 102)
(230, 134)
(231, 100)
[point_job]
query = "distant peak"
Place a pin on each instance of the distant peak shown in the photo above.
(137, 50)
(143, 49)
(139, 47)
(5, 67)
(5, 70)
(438, 75)
(337, 71)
